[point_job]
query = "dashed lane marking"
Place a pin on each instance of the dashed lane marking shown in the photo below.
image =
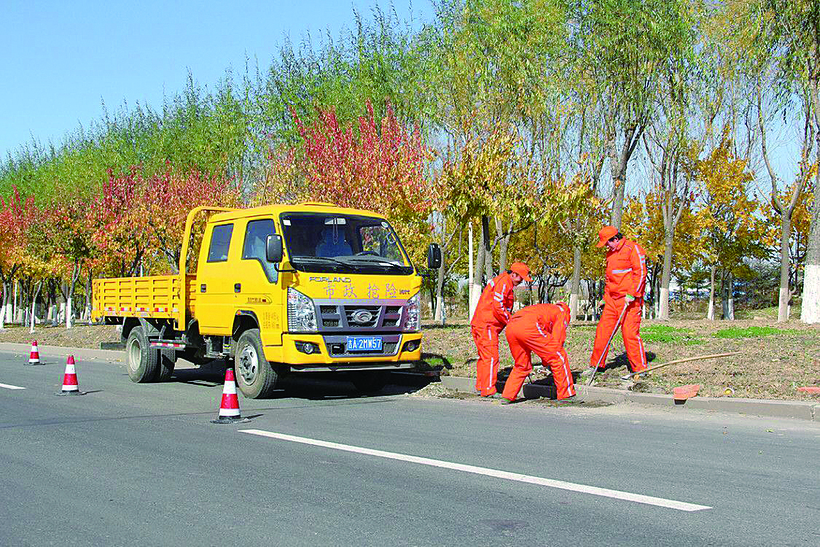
(529, 479)
(7, 386)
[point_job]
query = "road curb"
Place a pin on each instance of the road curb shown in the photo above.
(756, 407)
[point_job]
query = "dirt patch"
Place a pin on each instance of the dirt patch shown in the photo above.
(774, 358)
(78, 336)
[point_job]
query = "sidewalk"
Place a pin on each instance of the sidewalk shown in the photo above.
(753, 407)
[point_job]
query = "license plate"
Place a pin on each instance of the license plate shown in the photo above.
(364, 343)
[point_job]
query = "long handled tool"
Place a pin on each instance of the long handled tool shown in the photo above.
(676, 361)
(606, 348)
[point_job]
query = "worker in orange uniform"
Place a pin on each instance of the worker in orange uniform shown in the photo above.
(541, 328)
(492, 313)
(625, 283)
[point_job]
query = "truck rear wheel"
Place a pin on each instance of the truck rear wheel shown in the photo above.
(165, 366)
(255, 376)
(140, 359)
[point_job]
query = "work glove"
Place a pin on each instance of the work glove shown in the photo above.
(629, 298)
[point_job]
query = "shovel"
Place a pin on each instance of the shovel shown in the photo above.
(676, 361)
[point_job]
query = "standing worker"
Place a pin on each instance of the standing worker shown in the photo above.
(492, 313)
(542, 329)
(625, 283)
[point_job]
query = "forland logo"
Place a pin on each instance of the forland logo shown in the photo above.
(330, 279)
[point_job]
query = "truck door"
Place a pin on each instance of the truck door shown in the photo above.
(215, 281)
(260, 291)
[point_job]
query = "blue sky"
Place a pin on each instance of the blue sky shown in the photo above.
(61, 60)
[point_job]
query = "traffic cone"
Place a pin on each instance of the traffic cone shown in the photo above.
(229, 408)
(34, 355)
(70, 386)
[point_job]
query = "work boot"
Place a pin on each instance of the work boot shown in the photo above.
(505, 401)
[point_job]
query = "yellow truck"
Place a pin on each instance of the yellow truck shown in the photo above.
(278, 289)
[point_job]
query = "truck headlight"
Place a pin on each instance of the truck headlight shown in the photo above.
(301, 312)
(412, 311)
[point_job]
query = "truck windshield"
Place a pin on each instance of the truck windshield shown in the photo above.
(325, 242)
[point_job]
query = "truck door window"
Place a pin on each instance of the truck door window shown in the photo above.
(220, 243)
(256, 235)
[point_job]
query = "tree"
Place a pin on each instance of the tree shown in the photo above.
(627, 60)
(727, 216)
(785, 208)
(16, 215)
(783, 40)
(380, 164)
(62, 236)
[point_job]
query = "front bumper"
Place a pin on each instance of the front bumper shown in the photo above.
(400, 351)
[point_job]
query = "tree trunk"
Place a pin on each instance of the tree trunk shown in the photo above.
(5, 301)
(439, 314)
(710, 311)
(618, 187)
(89, 293)
(503, 243)
(477, 276)
(783, 297)
(575, 287)
(727, 285)
(34, 305)
(488, 252)
(663, 294)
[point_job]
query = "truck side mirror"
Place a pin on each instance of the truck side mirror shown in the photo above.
(273, 248)
(434, 256)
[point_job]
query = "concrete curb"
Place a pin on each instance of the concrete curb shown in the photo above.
(755, 407)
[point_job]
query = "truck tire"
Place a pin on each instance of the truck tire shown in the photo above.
(369, 382)
(165, 367)
(256, 378)
(140, 359)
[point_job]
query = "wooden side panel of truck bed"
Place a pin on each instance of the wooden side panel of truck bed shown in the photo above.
(157, 297)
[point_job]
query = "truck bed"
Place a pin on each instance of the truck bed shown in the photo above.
(158, 297)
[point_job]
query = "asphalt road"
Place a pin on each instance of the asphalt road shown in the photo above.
(141, 464)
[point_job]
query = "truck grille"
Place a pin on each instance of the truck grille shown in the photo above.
(359, 318)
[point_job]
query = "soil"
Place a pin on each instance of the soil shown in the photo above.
(774, 358)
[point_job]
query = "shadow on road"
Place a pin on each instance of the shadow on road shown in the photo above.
(311, 386)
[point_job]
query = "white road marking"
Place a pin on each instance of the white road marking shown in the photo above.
(605, 492)
(7, 386)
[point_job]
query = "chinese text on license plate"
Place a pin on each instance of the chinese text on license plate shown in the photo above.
(364, 343)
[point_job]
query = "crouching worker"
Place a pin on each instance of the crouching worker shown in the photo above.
(492, 313)
(541, 329)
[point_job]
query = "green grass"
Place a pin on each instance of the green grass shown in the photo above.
(752, 332)
(667, 334)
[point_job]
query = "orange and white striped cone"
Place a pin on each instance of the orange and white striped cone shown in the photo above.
(229, 408)
(34, 354)
(70, 385)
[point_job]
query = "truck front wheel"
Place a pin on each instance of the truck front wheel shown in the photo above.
(255, 376)
(140, 358)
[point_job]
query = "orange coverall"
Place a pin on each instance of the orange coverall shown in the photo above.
(492, 313)
(541, 328)
(625, 274)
